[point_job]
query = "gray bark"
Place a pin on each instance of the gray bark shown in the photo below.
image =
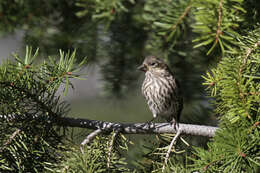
(138, 128)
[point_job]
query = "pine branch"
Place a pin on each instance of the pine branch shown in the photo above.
(30, 95)
(11, 138)
(241, 69)
(111, 144)
(137, 128)
(89, 138)
(184, 14)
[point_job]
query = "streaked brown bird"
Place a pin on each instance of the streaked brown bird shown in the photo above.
(161, 90)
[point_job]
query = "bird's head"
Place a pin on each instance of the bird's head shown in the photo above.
(153, 65)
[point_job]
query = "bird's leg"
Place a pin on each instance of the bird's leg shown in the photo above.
(175, 124)
(150, 123)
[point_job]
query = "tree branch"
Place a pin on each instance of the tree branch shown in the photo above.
(110, 148)
(11, 138)
(219, 32)
(91, 136)
(184, 14)
(137, 128)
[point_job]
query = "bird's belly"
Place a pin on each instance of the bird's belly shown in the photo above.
(158, 101)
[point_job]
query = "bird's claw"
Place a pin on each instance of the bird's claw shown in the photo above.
(175, 125)
(150, 123)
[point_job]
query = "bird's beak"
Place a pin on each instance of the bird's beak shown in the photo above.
(142, 68)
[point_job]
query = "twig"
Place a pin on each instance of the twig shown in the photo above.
(11, 138)
(248, 52)
(219, 32)
(184, 14)
(170, 148)
(89, 138)
(110, 148)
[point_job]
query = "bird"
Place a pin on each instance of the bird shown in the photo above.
(161, 90)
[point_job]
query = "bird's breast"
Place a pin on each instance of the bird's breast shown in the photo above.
(159, 93)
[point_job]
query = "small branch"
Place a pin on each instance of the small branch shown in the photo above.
(170, 148)
(10, 139)
(219, 32)
(137, 128)
(184, 14)
(110, 148)
(248, 52)
(89, 138)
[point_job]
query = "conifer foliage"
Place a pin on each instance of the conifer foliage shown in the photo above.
(235, 85)
(195, 32)
(29, 106)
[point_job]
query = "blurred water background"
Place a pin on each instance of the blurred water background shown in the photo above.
(89, 98)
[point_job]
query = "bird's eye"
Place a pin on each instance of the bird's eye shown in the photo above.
(154, 64)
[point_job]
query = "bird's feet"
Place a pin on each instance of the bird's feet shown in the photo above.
(150, 123)
(175, 125)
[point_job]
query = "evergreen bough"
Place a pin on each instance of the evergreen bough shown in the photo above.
(30, 141)
(235, 85)
(30, 104)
